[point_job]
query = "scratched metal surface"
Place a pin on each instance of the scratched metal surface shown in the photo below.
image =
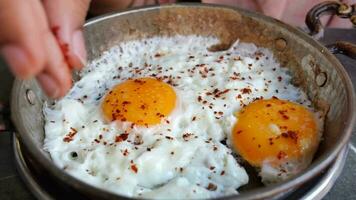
(12, 187)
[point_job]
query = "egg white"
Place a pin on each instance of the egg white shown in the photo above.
(200, 165)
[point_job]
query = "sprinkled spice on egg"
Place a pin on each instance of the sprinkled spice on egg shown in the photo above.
(167, 115)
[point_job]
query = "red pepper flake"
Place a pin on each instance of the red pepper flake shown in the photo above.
(65, 50)
(125, 103)
(211, 167)
(222, 173)
(194, 118)
(134, 168)
(268, 105)
(285, 135)
(290, 134)
(206, 70)
(126, 152)
(158, 55)
(55, 30)
(132, 125)
(238, 132)
(70, 135)
(141, 82)
(282, 112)
(186, 136)
(218, 94)
(281, 155)
(246, 91)
(121, 137)
(211, 187)
(62, 45)
(169, 137)
(239, 96)
(270, 141)
(200, 98)
(293, 135)
(279, 78)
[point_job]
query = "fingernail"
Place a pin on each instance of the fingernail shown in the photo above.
(79, 46)
(49, 85)
(17, 59)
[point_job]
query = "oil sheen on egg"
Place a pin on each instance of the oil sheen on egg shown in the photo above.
(155, 118)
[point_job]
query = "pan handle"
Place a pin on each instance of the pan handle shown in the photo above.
(343, 47)
(317, 30)
(339, 9)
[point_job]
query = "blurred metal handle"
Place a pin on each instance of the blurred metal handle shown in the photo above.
(342, 47)
(332, 8)
(328, 8)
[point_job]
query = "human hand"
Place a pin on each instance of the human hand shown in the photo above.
(44, 39)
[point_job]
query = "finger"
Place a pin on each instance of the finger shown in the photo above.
(21, 44)
(66, 18)
(48, 84)
(56, 77)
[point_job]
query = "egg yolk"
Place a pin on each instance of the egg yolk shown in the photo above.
(142, 101)
(274, 129)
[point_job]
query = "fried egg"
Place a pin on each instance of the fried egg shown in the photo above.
(164, 118)
(278, 136)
